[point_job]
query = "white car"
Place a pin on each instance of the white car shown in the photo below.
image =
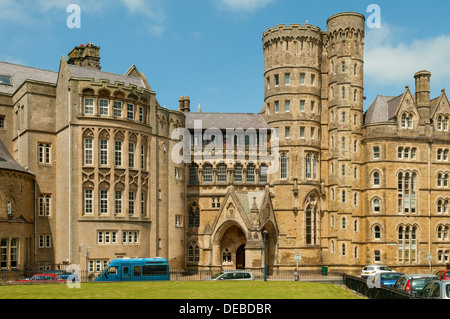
(372, 270)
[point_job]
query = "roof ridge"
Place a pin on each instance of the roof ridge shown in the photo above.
(29, 67)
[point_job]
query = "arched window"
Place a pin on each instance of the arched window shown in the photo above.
(194, 216)
(311, 222)
(9, 209)
(404, 120)
(377, 232)
(376, 205)
(439, 123)
(283, 166)
(238, 173)
(439, 180)
(308, 165)
(376, 179)
(193, 253)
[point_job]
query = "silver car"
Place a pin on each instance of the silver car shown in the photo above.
(436, 289)
(372, 270)
(414, 284)
(233, 275)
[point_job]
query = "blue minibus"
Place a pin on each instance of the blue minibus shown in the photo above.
(136, 269)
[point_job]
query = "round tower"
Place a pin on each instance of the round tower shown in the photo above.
(344, 46)
(293, 85)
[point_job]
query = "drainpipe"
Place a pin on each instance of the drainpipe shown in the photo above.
(70, 173)
(429, 204)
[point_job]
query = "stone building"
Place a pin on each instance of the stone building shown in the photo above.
(311, 173)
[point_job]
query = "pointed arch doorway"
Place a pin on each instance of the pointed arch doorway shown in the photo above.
(240, 257)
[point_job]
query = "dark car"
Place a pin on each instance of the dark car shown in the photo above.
(413, 284)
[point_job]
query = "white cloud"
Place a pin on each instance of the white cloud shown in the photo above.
(244, 5)
(393, 59)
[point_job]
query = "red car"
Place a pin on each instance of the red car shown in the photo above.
(443, 274)
(44, 278)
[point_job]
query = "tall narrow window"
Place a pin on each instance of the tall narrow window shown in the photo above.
(283, 166)
(103, 201)
(117, 153)
(130, 111)
(131, 199)
(131, 152)
(311, 223)
(88, 201)
(194, 216)
(308, 164)
(207, 173)
(118, 202)
(143, 165)
(88, 151)
(238, 173)
(103, 152)
(222, 173)
(143, 204)
(250, 173)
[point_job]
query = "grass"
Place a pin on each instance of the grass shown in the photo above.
(180, 290)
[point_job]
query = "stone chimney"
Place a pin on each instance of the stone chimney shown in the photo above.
(184, 104)
(423, 93)
(87, 56)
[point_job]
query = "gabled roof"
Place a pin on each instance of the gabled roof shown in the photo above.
(97, 75)
(380, 109)
(20, 73)
(227, 120)
(7, 162)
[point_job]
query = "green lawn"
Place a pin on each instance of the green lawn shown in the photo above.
(180, 290)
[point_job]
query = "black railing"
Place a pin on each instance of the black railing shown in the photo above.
(360, 286)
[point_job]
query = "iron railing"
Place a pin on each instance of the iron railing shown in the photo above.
(360, 286)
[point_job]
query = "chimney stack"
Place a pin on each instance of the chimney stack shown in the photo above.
(423, 101)
(87, 56)
(184, 104)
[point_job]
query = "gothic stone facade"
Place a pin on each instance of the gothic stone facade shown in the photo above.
(352, 188)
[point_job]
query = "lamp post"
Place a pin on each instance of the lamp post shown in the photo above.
(265, 259)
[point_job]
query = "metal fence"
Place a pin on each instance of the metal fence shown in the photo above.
(17, 276)
(360, 286)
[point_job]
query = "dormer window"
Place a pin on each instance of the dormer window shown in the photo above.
(5, 80)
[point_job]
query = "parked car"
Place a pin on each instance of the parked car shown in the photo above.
(233, 275)
(44, 278)
(386, 278)
(443, 274)
(413, 283)
(436, 289)
(372, 270)
(61, 273)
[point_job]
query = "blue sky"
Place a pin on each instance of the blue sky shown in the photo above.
(211, 50)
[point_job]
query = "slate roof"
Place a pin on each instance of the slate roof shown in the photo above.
(19, 74)
(7, 162)
(382, 109)
(247, 198)
(97, 75)
(227, 120)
